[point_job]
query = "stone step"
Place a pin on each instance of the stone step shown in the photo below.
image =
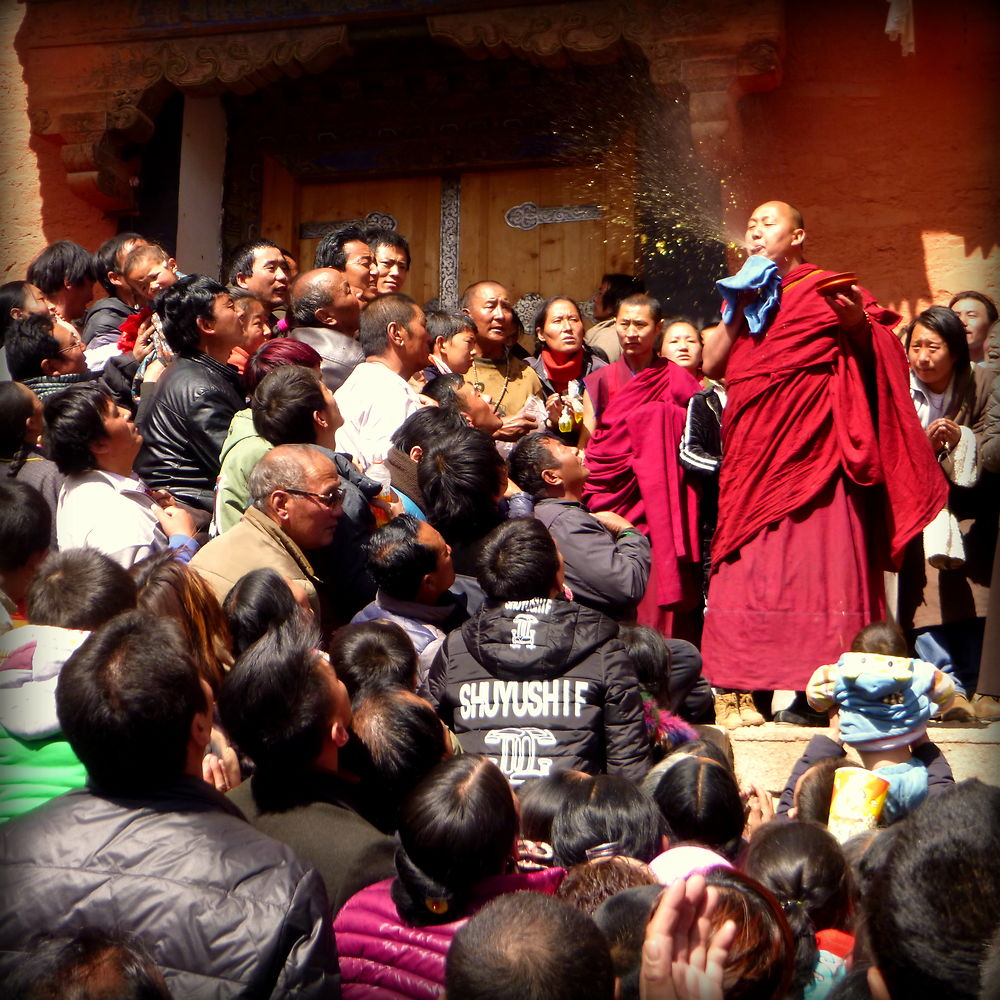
(764, 755)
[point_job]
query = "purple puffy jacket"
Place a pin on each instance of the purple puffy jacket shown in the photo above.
(382, 955)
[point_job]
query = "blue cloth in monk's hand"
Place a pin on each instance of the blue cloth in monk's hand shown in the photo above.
(757, 273)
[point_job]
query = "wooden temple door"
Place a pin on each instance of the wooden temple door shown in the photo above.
(542, 232)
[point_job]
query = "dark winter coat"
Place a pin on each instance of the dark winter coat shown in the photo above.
(224, 910)
(542, 685)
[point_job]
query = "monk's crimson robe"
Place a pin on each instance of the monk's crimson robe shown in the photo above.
(635, 472)
(826, 475)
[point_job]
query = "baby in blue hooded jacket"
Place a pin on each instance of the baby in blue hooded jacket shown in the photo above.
(885, 699)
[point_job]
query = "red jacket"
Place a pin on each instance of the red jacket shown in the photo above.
(381, 955)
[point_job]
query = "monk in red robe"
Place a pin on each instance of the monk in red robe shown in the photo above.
(825, 474)
(635, 409)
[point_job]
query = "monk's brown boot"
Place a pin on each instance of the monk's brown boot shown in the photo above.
(749, 715)
(727, 711)
(986, 707)
(959, 711)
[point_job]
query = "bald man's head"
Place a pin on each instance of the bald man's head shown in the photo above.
(775, 230)
(323, 298)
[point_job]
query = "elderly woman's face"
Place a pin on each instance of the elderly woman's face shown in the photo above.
(563, 328)
(930, 358)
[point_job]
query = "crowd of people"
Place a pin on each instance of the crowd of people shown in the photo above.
(353, 646)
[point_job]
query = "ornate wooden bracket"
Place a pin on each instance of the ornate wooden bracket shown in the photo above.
(715, 53)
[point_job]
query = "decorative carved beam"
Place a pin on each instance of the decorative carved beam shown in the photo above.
(76, 96)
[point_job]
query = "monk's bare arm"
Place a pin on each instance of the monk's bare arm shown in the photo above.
(718, 343)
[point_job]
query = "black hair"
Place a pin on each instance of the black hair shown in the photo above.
(948, 327)
(517, 561)
(815, 791)
(880, 637)
(529, 946)
(25, 524)
(866, 853)
(806, 869)
(607, 809)
(991, 306)
(241, 263)
(700, 801)
(276, 703)
(126, 700)
(79, 588)
(396, 560)
(622, 920)
(108, 257)
(444, 389)
(30, 341)
(932, 908)
(91, 965)
(653, 305)
(330, 249)
(457, 827)
(650, 656)
(425, 426)
(16, 407)
(74, 420)
(12, 296)
(445, 325)
(59, 264)
(701, 747)
(376, 236)
(284, 404)
(460, 477)
(542, 798)
(371, 655)
(403, 740)
(373, 332)
(542, 313)
(529, 459)
(259, 600)
(620, 286)
(180, 307)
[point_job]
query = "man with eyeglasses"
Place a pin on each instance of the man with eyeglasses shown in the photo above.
(297, 500)
(45, 353)
(392, 259)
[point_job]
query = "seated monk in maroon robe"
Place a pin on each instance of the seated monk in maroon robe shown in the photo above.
(825, 473)
(635, 409)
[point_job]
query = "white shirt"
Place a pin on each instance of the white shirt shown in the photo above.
(374, 401)
(111, 513)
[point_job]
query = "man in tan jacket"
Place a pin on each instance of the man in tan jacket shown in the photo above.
(296, 501)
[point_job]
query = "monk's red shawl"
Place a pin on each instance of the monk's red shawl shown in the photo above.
(634, 470)
(805, 402)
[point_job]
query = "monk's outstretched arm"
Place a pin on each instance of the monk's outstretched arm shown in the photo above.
(718, 344)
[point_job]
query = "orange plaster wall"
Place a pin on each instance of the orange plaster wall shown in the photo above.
(892, 159)
(36, 205)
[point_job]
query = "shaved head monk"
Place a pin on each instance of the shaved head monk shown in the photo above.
(826, 473)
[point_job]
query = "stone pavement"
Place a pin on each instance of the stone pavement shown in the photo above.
(765, 755)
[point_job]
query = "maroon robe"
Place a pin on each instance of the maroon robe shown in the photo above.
(635, 472)
(826, 475)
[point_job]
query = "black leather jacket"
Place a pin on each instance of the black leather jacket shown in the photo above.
(185, 427)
